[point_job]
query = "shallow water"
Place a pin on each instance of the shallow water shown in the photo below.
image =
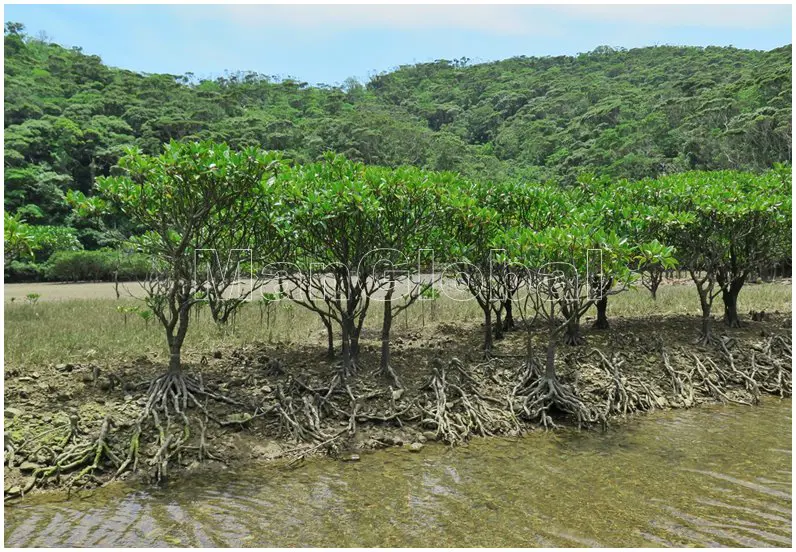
(712, 476)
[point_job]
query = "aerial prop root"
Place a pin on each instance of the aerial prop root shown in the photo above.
(548, 394)
(710, 339)
(299, 419)
(711, 382)
(573, 339)
(392, 375)
(88, 455)
(179, 391)
(21, 450)
(739, 375)
(437, 414)
(682, 384)
(623, 393)
(168, 398)
(772, 368)
(458, 410)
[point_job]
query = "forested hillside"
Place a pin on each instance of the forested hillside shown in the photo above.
(622, 113)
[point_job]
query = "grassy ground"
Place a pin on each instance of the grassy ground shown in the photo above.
(83, 330)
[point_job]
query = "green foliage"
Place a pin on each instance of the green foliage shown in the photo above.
(17, 238)
(431, 294)
(623, 113)
(145, 315)
(27, 242)
(719, 218)
(49, 239)
(100, 265)
(193, 197)
(189, 196)
(127, 309)
(20, 271)
(635, 135)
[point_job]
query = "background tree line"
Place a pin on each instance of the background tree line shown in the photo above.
(618, 113)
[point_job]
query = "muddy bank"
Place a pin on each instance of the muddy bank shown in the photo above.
(72, 425)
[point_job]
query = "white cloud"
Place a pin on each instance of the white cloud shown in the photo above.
(716, 15)
(495, 19)
(516, 19)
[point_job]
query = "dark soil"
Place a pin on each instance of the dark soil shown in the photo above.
(70, 426)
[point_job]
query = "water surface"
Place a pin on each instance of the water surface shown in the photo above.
(712, 476)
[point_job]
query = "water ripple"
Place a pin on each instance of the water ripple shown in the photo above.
(705, 477)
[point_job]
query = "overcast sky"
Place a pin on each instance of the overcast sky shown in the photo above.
(327, 44)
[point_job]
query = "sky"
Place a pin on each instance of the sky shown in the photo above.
(328, 43)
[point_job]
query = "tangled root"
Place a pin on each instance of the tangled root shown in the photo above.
(458, 410)
(682, 386)
(711, 339)
(88, 456)
(768, 370)
(624, 393)
(170, 396)
(301, 418)
(390, 373)
(291, 418)
(453, 404)
(711, 382)
(574, 339)
(541, 395)
(772, 367)
(308, 415)
(175, 391)
(168, 399)
(738, 375)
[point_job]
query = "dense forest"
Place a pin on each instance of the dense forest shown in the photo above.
(618, 113)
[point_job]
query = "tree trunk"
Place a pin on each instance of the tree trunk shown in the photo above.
(327, 322)
(345, 327)
(572, 335)
(175, 365)
(386, 325)
(706, 320)
(487, 329)
(730, 297)
(705, 288)
(357, 321)
(175, 341)
(602, 319)
(706, 324)
(354, 339)
(550, 363)
(508, 321)
(499, 323)
(528, 348)
(653, 281)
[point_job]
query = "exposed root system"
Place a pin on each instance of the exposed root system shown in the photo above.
(85, 455)
(179, 421)
(541, 396)
(455, 409)
(175, 391)
(772, 366)
(624, 393)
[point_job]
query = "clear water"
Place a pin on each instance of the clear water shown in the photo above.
(713, 476)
